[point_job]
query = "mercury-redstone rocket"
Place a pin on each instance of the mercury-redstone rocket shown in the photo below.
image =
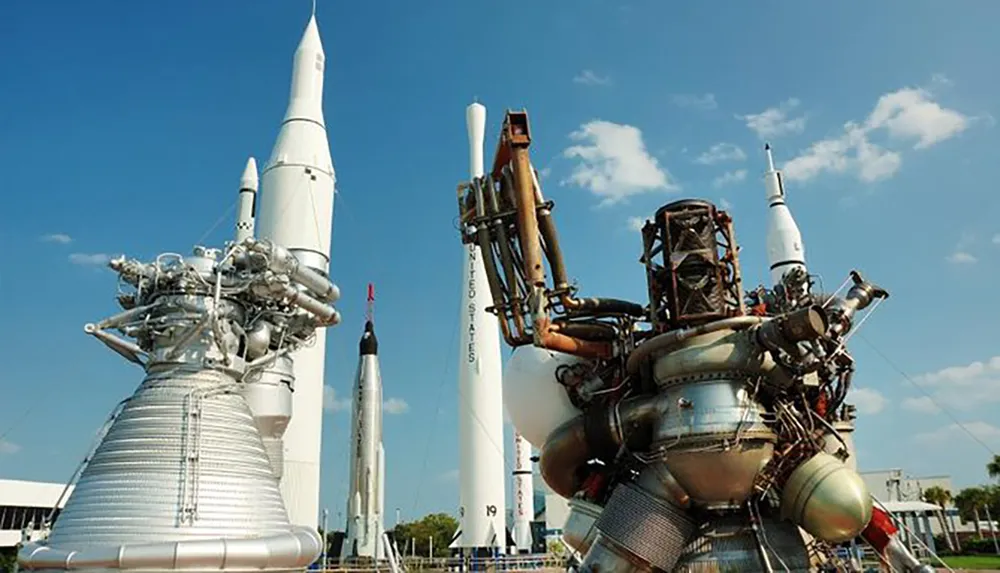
(482, 519)
(366, 487)
(296, 211)
(524, 495)
(784, 241)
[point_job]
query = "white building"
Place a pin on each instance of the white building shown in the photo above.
(26, 502)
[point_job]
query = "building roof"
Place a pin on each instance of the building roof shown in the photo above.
(908, 506)
(20, 493)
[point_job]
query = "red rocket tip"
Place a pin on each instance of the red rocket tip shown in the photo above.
(370, 314)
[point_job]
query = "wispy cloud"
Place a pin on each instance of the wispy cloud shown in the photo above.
(636, 223)
(962, 387)
(776, 121)
(395, 406)
(729, 178)
(613, 163)
(450, 475)
(962, 255)
(8, 448)
(331, 403)
(90, 259)
(591, 78)
(962, 258)
(948, 435)
(721, 152)
(725, 204)
(703, 102)
(867, 400)
(908, 117)
(60, 238)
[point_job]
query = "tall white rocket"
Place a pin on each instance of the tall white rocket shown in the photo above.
(524, 495)
(296, 211)
(366, 487)
(784, 241)
(482, 513)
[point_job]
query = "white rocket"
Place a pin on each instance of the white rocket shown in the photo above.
(366, 487)
(247, 202)
(296, 211)
(482, 513)
(524, 495)
(784, 241)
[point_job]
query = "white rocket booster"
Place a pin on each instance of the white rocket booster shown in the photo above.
(366, 487)
(296, 211)
(247, 202)
(784, 241)
(482, 513)
(524, 495)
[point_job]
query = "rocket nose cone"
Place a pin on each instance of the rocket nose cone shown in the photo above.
(249, 179)
(310, 38)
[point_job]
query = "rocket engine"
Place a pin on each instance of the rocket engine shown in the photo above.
(187, 474)
(691, 432)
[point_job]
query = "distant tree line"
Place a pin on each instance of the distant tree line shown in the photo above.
(974, 504)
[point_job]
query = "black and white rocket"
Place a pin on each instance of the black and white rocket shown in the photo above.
(366, 482)
(784, 241)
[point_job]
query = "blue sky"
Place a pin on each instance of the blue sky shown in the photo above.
(126, 130)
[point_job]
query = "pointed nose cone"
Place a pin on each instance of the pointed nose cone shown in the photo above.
(310, 38)
(249, 179)
(369, 344)
(306, 98)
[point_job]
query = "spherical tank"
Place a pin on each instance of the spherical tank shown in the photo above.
(536, 403)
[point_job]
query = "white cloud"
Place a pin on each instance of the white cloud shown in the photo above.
(331, 403)
(961, 258)
(922, 404)
(961, 254)
(987, 433)
(704, 102)
(60, 238)
(906, 116)
(8, 447)
(721, 152)
(996, 239)
(613, 162)
(729, 177)
(909, 114)
(776, 121)
(964, 387)
(866, 400)
(544, 172)
(90, 259)
(941, 80)
(590, 78)
(395, 406)
(636, 223)
(725, 204)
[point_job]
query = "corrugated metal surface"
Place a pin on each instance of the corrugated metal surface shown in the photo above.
(179, 463)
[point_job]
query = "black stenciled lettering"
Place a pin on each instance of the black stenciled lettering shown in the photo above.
(491, 510)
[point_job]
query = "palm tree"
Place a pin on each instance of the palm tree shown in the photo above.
(969, 500)
(940, 497)
(993, 468)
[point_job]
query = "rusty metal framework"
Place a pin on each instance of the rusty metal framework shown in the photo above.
(506, 214)
(692, 266)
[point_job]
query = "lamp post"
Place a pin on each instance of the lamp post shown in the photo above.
(326, 538)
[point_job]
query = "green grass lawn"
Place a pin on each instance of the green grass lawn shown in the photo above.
(973, 561)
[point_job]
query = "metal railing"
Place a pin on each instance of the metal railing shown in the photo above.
(413, 564)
